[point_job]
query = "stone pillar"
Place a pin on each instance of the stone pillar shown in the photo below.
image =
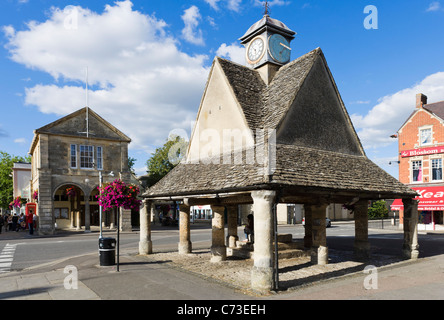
(410, 246)
(319, 250)
(232, 236)
(125, 219)
(87, 215)
(145, 244)
(218, 249)
(72, 214)
(46, 212)
(361, 245)
(185, 245)
(262, 271)
(78, 220)
(308, 237)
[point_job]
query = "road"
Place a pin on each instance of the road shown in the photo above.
(28, 251)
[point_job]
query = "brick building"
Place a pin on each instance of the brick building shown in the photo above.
(421, 151)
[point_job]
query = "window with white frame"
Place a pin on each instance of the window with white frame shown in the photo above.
(425, 136)
(86, 157)
(417, 171)
(73, 156)
(99, 158)
(436, 169)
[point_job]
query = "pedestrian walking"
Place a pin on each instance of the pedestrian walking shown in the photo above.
(14, 222)
(249, 229)
(9, 220)
(30, 221)
(2, 222)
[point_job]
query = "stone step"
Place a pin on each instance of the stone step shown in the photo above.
(287, 250)
(293, 253)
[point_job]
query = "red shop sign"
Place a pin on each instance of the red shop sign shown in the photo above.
(422, 152)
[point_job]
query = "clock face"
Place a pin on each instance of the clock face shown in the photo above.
(255, 50)
(279, 48)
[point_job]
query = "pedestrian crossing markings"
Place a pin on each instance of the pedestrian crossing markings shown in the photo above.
(6, 257)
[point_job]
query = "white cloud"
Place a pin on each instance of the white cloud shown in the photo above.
(3, 133)
(213, 4)
(234, 5)
(360, 102)
(140, 81)
(384, 119)
(434, 6)
(20, 141)
(191, 18)
(232, 52)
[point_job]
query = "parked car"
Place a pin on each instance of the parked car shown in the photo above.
(327, 222)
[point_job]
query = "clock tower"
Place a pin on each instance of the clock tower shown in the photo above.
(267, 44)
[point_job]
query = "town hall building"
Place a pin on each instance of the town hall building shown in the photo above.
(68, 157)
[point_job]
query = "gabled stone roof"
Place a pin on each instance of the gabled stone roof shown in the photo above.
(298, 165)
(264, 107)
(74, 124)
(248, 87)
(295, 167)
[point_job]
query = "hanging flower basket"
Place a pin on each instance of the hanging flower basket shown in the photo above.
(17, 202)
(71, 192)
(119, 194)
(35, 196)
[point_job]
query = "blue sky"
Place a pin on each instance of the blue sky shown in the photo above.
(148, 62)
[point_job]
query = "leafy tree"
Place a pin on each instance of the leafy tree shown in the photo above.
(131, 163)
(6, 186)
(165, 158)
(378, 210)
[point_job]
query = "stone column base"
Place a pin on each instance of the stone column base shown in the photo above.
(409, 253)
(218, 253)
(362, 249)
(185, 247)
(231, 241)
(319, 255)
(145, 247)
(262, 279)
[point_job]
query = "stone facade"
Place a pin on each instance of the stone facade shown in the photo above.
(60, 159)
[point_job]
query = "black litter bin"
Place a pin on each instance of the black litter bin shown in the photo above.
(107, 251)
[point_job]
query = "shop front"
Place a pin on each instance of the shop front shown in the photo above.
(430, 208)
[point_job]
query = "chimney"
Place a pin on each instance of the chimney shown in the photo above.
(420, 100)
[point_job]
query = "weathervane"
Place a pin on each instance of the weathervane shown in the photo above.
(267, 8)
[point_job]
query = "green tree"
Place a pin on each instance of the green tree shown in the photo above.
(378, 210)
(131, 163)
(6, 187)
(165, 158)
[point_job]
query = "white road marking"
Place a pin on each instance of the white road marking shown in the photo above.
(6, 257)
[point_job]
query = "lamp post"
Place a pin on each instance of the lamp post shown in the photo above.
(100, 207)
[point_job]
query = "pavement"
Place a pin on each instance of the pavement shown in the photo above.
(142, 278)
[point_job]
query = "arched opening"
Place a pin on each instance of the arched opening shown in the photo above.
(72, 204)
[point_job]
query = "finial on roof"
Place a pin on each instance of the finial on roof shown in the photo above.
(267, 8)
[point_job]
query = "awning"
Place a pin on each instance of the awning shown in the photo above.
(430, 199)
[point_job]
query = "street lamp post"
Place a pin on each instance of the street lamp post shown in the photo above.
(100, 207)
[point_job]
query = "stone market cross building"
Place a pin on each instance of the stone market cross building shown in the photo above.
(274, 132)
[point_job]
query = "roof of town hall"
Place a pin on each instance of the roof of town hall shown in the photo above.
(296, 165)
(74, 125)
